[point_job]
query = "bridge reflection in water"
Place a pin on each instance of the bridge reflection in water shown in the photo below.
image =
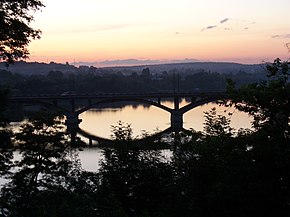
(153, 99)
(104, 141)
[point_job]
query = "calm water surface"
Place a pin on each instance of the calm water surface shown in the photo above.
(143, 118)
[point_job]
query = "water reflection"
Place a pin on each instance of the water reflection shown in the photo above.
(195, 118)
(98, 121)
(91, 158)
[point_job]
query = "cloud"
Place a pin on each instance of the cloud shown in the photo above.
(275, 36)
(239, 24)
(224, 20)
(281, 36)
(209, 27)
(214, 26)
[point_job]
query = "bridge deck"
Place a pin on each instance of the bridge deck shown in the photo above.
(124, 96)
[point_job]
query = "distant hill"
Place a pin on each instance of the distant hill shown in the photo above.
(219, 67)
(30, 68)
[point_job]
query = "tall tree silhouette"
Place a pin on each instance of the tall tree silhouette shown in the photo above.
(5, 136)
(16, 32)
(267, 101)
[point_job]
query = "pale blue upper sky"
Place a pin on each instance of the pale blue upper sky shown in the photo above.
(93, 30)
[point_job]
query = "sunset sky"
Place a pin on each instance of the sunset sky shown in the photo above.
(108, 32)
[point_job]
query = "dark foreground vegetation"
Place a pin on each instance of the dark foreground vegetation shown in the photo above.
(219, 172)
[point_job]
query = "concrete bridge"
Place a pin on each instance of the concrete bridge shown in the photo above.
(79, 103)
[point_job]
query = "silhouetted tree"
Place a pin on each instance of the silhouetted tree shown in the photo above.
(217, 125)
(16, 32)
(146, 73)
(122, 132)
(5, 135)
(279, 68)
(215, 173)
(267, 101)
(47, 180)
(134, 182)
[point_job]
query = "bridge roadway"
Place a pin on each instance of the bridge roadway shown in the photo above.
(124, 96)
(93, 100)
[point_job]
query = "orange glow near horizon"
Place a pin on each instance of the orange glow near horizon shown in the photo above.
(239, 31)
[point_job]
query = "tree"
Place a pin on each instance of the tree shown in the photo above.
(146, 74)
(279, 68)
(5, 135)
(133, 182)
(216, 125)
(16, 32)
(122, 132)
(267, 101)
(47, 180)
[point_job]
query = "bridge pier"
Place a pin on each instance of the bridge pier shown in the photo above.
(176, 120)
(72, 124)
(90, 142)
(176, 103)
(72, 121)
(159, 101)
(176, 116)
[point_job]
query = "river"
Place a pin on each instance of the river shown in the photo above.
(146, 118)
(98, 122)
(142, 118)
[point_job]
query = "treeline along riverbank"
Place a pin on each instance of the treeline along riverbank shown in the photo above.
(218, 172)
(58, 78)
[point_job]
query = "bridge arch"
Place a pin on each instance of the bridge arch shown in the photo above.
(112, 100)
(193, 105)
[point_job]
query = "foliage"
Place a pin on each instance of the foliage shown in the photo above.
(279, 68)
(56, 79)
(16, 32)
(122, 132)
(46, 178)
(267, 101)
(5, 135)
(245, 175)
(133, 182)
(217, 125)
(217, 173)
(3, 106)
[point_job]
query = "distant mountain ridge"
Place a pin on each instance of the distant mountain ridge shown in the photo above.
(219, 67)
(28, 68)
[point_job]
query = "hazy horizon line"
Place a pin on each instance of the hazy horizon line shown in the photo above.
(143, 62)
